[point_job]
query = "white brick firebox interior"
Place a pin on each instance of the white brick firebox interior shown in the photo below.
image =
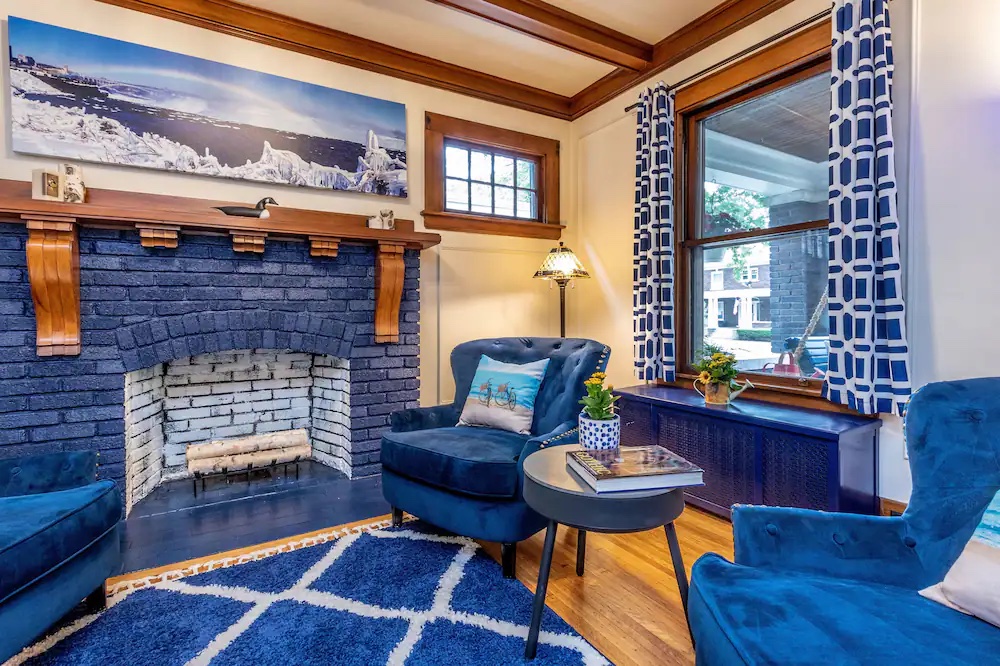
(219, 396)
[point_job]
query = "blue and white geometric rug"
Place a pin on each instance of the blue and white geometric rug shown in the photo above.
(403, 595)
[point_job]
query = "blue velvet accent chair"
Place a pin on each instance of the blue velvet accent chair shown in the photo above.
(467, 480)
(823, 588)
(59, 541)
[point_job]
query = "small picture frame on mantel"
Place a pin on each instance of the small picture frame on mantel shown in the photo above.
(46, 185)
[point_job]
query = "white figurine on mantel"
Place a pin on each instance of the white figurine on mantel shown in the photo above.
(386, 219)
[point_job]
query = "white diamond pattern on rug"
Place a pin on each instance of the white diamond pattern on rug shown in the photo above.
(386, 596)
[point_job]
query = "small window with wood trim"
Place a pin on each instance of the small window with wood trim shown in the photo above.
(483, 179)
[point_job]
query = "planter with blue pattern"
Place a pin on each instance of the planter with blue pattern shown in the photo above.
(600, 435)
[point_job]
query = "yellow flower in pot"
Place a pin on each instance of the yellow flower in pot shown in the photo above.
(717, 372)
(600, 427)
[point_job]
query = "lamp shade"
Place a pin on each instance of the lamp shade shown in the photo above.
(561, 264)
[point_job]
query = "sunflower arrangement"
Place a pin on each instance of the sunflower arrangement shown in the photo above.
(716, 366)
(599, 404)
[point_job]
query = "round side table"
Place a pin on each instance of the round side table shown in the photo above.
(554, 491)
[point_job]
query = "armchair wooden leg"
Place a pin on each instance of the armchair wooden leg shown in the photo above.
(508, 558)
(397, 517)
(97, 600)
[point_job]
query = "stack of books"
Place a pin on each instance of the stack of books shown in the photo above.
(633, 468)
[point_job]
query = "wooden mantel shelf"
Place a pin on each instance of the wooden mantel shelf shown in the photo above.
(128, 209)
(53, 250)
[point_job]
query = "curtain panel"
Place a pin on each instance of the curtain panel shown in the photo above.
(868, 350)
(653, 247)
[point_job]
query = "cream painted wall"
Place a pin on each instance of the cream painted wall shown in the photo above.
(472, 286)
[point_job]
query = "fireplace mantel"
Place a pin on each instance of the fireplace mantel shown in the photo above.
(53, 248)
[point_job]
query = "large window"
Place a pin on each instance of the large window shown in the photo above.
(755, 213)
(487, 180)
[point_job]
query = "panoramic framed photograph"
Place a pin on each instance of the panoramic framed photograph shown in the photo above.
(84, 97)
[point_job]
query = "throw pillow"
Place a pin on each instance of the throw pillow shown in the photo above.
(503, 395)
(972, 585)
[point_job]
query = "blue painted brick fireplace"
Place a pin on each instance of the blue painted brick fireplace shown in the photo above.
(144, 306)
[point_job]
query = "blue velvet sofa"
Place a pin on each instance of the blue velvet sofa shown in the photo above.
(823, 588)
(467, 480)
(59, 541)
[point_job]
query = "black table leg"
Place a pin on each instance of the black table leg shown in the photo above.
(678, 562)
(581, 551)
(543, 582)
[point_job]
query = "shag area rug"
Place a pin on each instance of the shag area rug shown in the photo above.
(405, 595)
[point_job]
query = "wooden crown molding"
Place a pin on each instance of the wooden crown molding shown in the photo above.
(561, 28)
(532, 17)
(709, 28)
(274, 29)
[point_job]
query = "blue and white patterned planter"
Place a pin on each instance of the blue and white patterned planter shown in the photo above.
(600, 435)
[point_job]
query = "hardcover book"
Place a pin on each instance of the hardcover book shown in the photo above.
(633, 468)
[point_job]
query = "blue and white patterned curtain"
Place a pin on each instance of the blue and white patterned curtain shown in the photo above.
(653, 247)
(868, 350)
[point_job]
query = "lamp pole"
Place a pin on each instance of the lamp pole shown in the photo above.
(562, 282)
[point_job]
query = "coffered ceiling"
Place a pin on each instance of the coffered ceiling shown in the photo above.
(557, 57)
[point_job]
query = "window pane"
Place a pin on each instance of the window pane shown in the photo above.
(456, 194)
(504, 170)
(482, 198)
(456, 162)
(526, 174)
(505, 201)
(764, 162)
(482, 166)
(526, 206)
(762, 321)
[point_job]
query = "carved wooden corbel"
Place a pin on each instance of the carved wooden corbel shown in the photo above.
(323, 246)
(53, 254)
(248, 241)
(389, 274)
(158, 235)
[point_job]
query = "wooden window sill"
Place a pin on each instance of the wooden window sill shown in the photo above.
(497, 226)
(805, 396)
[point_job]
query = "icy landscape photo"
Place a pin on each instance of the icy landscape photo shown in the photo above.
(79, 96)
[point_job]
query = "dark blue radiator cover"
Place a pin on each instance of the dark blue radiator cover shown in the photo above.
(759, 453)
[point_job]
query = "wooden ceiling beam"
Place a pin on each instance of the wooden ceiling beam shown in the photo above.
(561, 28)
(708, 29)
(273, 29)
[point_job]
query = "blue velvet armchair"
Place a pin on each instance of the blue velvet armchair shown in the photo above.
(59, 541)
(822, 588)
(467, 480)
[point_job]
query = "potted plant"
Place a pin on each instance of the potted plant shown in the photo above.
(717, 371)
(600, 427)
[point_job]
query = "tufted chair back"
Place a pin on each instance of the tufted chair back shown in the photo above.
(571, 361)
(953, 438)
(31, 475)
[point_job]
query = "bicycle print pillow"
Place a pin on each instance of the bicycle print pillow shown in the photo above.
(503, 395)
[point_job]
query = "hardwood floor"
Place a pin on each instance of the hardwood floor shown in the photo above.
(626, 604)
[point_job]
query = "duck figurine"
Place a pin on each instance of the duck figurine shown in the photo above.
(259, 211)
